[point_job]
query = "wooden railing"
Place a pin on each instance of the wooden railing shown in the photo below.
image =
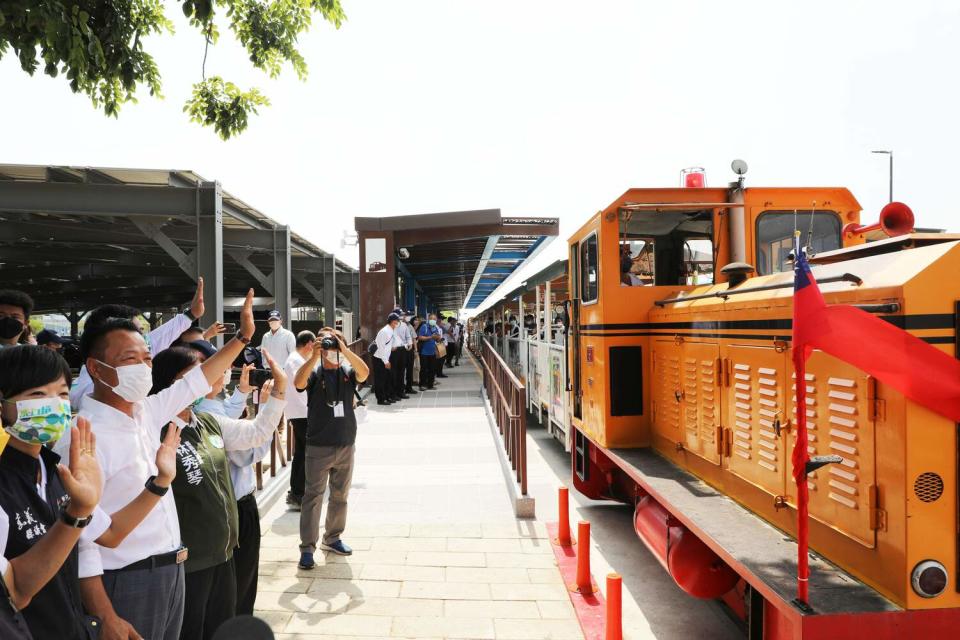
(508, 399)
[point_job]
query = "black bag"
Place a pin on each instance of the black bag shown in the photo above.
(372, 349)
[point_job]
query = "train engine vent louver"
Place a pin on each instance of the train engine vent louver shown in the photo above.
(928, 486)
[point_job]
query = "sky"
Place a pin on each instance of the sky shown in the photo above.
(540, 109)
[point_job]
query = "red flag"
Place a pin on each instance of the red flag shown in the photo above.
(919, 371)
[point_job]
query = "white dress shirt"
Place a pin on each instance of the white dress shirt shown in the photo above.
(279, 345)
(246, 442)
(403, 335)
(157, 340)
(385, 338)
(4, 531)
(127, 450)
(296, 400)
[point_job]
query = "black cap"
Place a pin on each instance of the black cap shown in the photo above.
(392, 317)
(274, 315)
(49, 337)
(203, 346)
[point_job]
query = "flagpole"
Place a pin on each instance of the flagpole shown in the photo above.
(800, 453)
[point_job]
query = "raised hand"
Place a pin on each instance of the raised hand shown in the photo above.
(83, 480)
(244, 386)
(266, 390)
(214, 330)
(247, 326)
(197, 307)
(167, 456)
(279, 375)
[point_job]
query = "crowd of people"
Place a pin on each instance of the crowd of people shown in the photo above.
(127, 503)
(412, 350)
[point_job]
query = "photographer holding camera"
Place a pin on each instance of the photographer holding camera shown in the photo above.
(331, 435)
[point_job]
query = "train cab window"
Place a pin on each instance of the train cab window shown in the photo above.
(589, 270)
(821, 232)
(666, 248)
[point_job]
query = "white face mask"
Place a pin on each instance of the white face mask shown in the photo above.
(134, 381)
(333, 357)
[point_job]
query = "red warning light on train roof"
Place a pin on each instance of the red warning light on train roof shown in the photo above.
(693, 178)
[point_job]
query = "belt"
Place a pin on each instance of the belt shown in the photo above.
(160, 560)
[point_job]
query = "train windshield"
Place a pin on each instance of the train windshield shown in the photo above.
(666, 248)
(820, 231)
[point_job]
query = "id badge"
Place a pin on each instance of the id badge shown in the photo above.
(338, 410)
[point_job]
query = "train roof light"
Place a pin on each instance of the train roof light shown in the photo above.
(693, 178)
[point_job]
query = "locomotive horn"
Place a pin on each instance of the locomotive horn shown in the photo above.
(896, 219)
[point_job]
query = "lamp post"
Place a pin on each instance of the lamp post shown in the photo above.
(888, 153)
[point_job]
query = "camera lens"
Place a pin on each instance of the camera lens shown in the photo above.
(329, 343)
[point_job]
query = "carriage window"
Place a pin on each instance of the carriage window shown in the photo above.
(697, 261)
(589, 270)
(666, 247)
(775, 236)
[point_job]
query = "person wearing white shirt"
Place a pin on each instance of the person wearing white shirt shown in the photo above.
(398, 356)
(297, 415)
(141, 591)
(279, 342)
(409, 353)
(157, 340)
(382, 382)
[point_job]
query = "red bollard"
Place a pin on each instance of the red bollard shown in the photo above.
(584, 585)
(614, 624)
(563, 524)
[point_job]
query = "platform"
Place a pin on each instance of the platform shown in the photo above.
(437, 550)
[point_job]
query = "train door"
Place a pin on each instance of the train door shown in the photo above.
(754, 400)
(841, 420)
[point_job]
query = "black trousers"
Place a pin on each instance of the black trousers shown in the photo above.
(299, 449)
(246, 557)
(426, 370)
(408, 362)
(209, 601)
(381, 380)
(397, 363)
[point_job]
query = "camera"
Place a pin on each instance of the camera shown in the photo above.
(330, 344)
(259, 376)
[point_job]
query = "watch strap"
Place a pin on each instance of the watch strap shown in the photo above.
(153, 488)
(76, 523)
(187, 312)
(242, 338)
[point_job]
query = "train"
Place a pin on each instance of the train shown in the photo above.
(677, 397)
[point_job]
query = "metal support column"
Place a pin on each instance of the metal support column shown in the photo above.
(355, 299)
(329, 291)
(210, 251)
(281, 273)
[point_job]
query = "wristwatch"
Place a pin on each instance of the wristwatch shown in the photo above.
(70, 521)
(242, 338)
(187, 312)
(155, 489)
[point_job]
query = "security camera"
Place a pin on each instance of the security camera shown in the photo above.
(404, 253)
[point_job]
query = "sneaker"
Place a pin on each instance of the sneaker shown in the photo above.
(337, 547)
(306, 561)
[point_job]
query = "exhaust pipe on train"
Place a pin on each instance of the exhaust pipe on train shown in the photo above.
(896, 219)
(693, 565)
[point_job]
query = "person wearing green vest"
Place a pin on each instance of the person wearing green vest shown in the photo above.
(203, 490)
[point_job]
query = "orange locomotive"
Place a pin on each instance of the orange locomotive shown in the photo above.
(682, 402)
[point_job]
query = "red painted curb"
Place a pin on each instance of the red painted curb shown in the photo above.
(590, 608)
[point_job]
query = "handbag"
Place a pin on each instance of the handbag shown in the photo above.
(441, 350)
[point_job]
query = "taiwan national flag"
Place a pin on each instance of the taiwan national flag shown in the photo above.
(919, 371)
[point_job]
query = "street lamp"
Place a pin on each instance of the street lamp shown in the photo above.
(890, 154)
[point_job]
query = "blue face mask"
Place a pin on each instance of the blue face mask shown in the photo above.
(433, 323)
